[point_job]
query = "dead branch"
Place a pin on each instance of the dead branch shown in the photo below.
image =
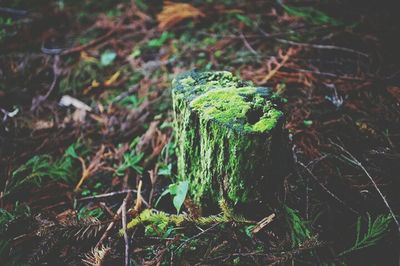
(350, 158)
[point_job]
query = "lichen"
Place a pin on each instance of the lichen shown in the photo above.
(224, 128)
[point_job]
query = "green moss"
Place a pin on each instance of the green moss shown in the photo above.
(242, 109)
(224, 128)
(225, 105)
(268, 121)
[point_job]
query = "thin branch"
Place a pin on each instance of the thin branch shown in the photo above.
(106, 195)
(111, 225)
(315, 46)
(247, 44)
(123, 218)
(357, 163)
(36, 102)
(100, 39)
(196, 236)
(330, 193)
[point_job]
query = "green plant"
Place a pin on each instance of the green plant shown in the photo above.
(376, 230)
(158, 42)
(130, 101)
(312, 15)
(165, 170)
(179, 191)
(20, 211)
(81, 76)
(244, 19)
(131, 160)
(299, 229)
(5, 23)
(41, 167)
(85, 213)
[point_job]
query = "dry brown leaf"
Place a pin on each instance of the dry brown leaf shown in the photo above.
(97, 163)
(274, 64)
(395, 92)
(43, 124)
(173, 13)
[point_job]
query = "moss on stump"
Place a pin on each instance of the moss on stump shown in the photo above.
(229, 137)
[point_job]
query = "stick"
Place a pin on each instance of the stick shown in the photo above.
(36, 102)
(356, 162)
(311, 45)
(325, 188)
(111, 225)
(79, 48)
(195, 236)
(247, 44)
(105, 195)
(123, 218)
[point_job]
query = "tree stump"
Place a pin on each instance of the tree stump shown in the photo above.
(229, 137)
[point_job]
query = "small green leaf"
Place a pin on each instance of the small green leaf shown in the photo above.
(71, 152)
(166, 192)
(136, 53)
(248, 229)
(246, 20)
(307, 123)
(107, 58)
(165, 170)
(157, 43)
(181, 191)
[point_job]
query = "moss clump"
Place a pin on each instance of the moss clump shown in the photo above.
(243, 109)
(226, 131)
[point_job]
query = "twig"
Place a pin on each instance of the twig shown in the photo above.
(106, 195)
(322, 47)
(357, 163)
(123, 218)
(247, 44)
(284, 58)
(327, 74)
(139, 199)
(325, 188)
(36, 102)
(111, 225)
(102, 38)
(263, 223)
(312, 45)
(195, 236)
(131, 90)
(13, 11)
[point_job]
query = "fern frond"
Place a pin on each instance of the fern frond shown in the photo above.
(298, 227)
(97, 256)
(81, 229)
(44, 247)
(376, 230)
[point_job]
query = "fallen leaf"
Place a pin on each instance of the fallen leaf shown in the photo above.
(173, 13)
(112, 79)
(107, 58)
(86, 57)
(395, 92)
(43, 124)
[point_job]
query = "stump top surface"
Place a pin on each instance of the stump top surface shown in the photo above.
(221, 97)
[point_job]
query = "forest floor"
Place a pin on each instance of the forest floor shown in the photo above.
(87, 148)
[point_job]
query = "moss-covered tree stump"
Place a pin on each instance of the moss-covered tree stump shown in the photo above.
(229, 138)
